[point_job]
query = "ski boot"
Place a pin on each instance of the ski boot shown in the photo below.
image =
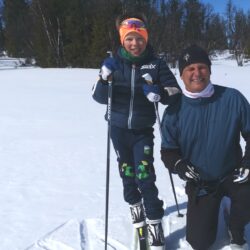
(237, 241)
(138, 215)
(139, 223)
(156, 238)
(238, 247)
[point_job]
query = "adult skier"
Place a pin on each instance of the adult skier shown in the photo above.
(133, 117)
(201, 143)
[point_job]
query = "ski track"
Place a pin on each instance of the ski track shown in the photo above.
(69, 236)
(89, 234)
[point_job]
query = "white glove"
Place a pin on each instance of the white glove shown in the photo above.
(242, 175)
(105, 73)
(152, 97)
(151, 91)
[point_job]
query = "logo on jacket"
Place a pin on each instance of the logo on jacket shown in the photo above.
(148, 66)
(186, 57)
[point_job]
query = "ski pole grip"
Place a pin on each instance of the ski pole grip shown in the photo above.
(148, 78)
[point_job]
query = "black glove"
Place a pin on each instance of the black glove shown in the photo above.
(186, 171)
(172, 160)
(241, 175)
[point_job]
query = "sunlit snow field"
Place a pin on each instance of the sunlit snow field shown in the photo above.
(53, 163)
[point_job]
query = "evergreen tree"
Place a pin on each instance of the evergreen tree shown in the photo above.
(248, 35)
(230, 13)
(77, 33)
(137, 6)
(17, 28)
(240, 37)
(104, 36)
(237, 29)
(215, 36)
(194, 22)
(48, 31)
(171, 35)
(1, 32)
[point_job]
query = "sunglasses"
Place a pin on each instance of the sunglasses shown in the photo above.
(130, 23)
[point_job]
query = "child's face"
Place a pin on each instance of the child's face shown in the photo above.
(134, 44)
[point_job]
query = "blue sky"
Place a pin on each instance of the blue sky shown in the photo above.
(220, 5)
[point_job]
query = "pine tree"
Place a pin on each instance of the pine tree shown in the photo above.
(171, 35)
(194, 22)
(17, 28)
(215, 35)
(104, 36)
(48, 31)
(237, 30)
(248, 36)
(77, 33)
(1, 32)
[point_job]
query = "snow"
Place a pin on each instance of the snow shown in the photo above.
(53, 164)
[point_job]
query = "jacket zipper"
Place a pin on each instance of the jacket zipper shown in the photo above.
(132, 91)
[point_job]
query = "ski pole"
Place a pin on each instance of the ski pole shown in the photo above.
(148, 79)
(109, 106)
(170, 174)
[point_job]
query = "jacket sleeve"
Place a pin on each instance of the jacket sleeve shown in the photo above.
(246, 157)
(169, 127)
(170, 152)
(245, 130)
(170, 90)
(100, 92)
(170, 157)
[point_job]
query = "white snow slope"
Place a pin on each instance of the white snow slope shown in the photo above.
(53, 164)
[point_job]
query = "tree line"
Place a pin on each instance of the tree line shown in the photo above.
(78, 33)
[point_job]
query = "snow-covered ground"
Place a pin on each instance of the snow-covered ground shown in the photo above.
(53, 164)
(11, 63)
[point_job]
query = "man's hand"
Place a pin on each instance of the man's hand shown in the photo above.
(241, 175)
(186, 171)
(108, 67)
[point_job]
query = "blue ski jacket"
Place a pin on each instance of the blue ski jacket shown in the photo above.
(207, 132)
(130, 107)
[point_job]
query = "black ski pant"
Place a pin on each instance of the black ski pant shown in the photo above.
(134, 149)
(203, 212)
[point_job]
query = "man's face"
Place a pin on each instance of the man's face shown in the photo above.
(196, 77)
